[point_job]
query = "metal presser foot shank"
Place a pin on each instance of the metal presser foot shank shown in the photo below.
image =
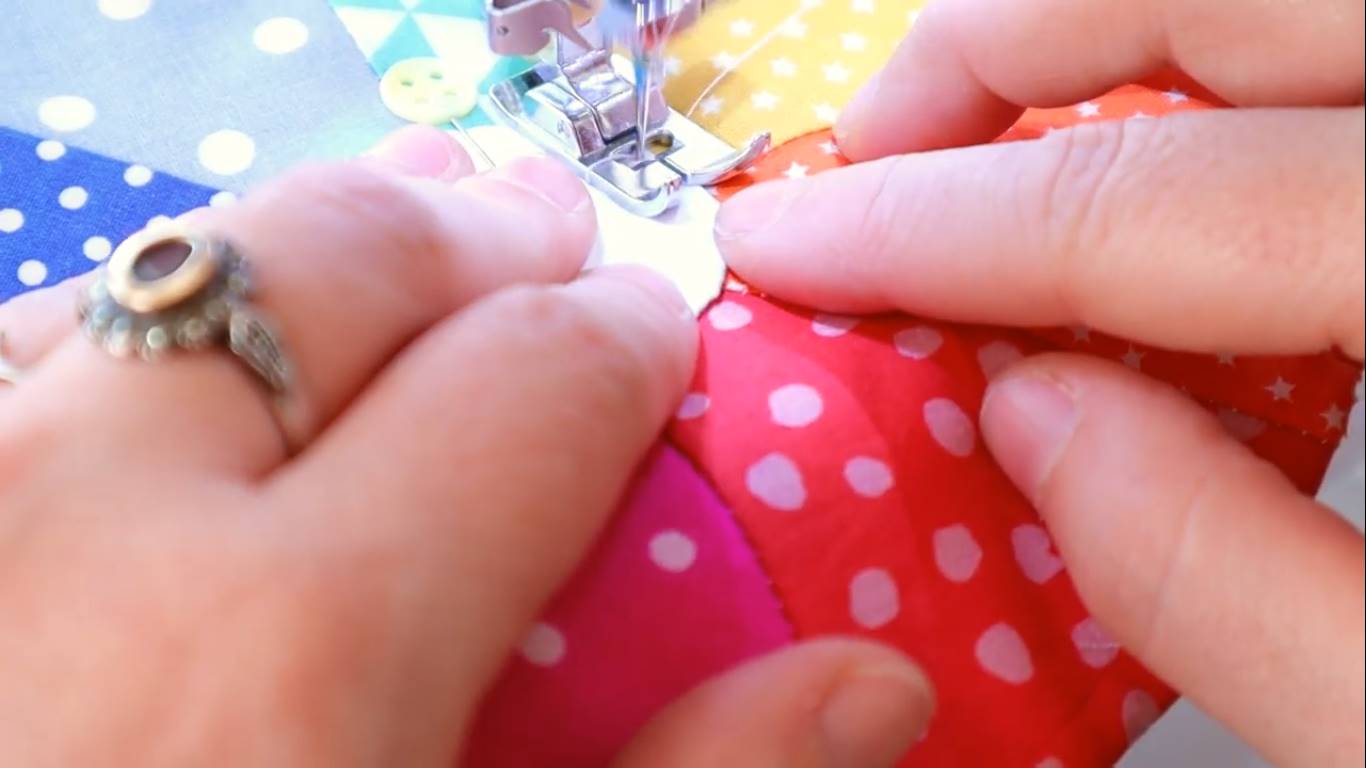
(586, 108)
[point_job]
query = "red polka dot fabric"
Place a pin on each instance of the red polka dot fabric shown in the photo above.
(853, 496)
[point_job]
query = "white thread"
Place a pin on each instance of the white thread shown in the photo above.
(796, 15)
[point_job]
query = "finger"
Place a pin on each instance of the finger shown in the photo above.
(423, 152)
(352, 261)
(505, 436)
(969, 66)
(33, 323)
(822, 704)
(1206, 232)
(1201, 559)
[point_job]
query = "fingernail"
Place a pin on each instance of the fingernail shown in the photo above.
(659, 288)
(1027, 421)
(419, 150)
(856, 112)
(755, 209)
(546, 179)
(874, 716)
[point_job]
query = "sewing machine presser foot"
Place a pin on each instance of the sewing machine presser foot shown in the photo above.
(582, 109)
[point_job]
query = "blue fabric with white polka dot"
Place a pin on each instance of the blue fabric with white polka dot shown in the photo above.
(63, 209)
(224, 94)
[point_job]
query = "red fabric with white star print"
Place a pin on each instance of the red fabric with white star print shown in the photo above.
(848, 452)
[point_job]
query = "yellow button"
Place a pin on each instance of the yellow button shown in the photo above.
(427, 91)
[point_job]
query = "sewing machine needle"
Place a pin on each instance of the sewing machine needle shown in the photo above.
(640, 52)
(464, 134)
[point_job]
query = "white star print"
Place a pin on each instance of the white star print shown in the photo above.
(1225, 358)
(836, 72)
(863, 6)
(1133, 358)
(1280, 389)
(794, 28)
(1140, 116)
(1081, 333)
(742, 28)
(784, 67)
(1334, 417)
(764, 100)
(830, 148)
(912, 16)
(711, 105)
(1176, 96)
(854, 42)
(672, 65)
(826, 113)
(724, 60)
(1088, 109)
(796, 171)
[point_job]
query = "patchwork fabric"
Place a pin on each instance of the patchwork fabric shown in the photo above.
(390, 31)
(224, 95)
(824, 475)
(671, 595)
(63, 209)
(786, 67)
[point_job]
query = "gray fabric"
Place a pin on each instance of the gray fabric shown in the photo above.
(164, 80)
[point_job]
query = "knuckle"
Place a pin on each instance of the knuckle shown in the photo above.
(1087, 175)
(370, 210)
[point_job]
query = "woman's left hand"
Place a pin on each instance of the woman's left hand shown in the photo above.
(176, 588)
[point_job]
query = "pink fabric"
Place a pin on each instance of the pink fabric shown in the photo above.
(672, 595)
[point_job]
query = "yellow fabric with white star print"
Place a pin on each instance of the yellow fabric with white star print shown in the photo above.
(784, 66)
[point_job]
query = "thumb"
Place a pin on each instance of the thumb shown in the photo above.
(1200, 559)
(822, 704)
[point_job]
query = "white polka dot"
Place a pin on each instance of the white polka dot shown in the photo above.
(957, 553)
(51, 150)
(123, 10)
(73, 198)
(158, 221)
(832, 326)
(673, 551)
(97, 248)
(32, 272)
(918, 343)
(1002, 653)
(280, 35)
(66, 113)
(794, 405)
(1096, 647)
(868, 477)
(874, 600)
(729, 316)
(1034, 552)
(137, 176)
(10, 220)
(544, 646)
(694, 405)
(227, 152)
(1049, 762)
(951, 428)
(996, 357)
(1138, 712)
(776, 481)
(222, 199)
